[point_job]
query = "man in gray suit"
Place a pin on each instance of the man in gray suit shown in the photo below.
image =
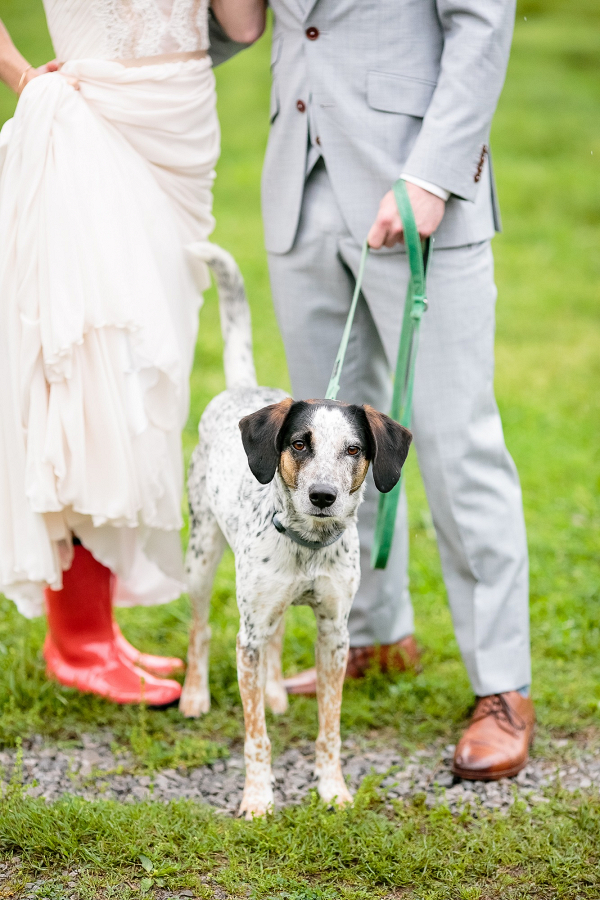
(363, 93)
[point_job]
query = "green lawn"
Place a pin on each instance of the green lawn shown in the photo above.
(546, 144)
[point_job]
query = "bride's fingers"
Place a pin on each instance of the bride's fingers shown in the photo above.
(55, 65)
(70, 79)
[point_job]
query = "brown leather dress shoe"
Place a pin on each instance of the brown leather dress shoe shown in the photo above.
(399, 657)
(497, 741)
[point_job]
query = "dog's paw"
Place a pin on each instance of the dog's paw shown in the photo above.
(194, 703)
(276, 697)
(256, 801)
(333, 790)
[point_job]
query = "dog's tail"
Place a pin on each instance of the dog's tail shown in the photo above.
(236, 327)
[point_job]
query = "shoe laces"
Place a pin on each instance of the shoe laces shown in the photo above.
(498, 706)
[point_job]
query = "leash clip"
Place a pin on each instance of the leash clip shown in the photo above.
(420, 305)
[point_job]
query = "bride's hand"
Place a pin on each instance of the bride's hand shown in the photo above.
(27, 76)
(14, 71)
(53, 66)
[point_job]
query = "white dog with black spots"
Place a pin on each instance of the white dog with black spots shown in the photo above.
(280, 482)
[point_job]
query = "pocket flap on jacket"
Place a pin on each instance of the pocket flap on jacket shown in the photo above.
(399, 93)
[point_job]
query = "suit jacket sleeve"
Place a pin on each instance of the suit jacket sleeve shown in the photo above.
(453, 139)
(222, 47)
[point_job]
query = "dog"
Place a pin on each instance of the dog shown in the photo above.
(279, 481)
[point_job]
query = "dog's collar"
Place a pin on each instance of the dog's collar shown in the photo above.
(298, 539)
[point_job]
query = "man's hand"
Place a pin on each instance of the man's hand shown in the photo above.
(387, 229)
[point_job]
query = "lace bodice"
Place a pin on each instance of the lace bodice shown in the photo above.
(126, 29)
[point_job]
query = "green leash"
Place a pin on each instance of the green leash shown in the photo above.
(416, 304)
(334, 382)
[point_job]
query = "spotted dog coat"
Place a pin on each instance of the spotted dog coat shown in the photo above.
(261, 453)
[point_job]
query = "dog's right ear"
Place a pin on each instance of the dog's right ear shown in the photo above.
(261, 433)
(390, 443)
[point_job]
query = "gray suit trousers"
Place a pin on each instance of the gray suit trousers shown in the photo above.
(470, 479)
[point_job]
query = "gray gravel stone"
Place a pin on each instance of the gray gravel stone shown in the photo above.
(92, 771)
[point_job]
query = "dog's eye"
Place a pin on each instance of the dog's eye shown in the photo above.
(299, 445)
(353, 451)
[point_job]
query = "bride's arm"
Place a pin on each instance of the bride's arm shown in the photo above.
(12, 64)
(15, 71)
(242, 20)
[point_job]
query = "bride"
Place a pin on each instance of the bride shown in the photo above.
(106, 173)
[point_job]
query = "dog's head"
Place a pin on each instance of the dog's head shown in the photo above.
(322, 449)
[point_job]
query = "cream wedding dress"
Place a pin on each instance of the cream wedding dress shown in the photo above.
(103, 193)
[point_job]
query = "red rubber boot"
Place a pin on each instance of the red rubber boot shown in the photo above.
(80, 648)
(163, 666)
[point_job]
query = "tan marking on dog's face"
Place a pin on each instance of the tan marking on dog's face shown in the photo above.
(360, 474)
(260, 436)
(289, 469)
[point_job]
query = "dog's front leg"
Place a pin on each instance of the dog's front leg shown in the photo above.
(331, 658)
(258, 790)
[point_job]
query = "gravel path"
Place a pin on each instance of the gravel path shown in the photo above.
(93, 771)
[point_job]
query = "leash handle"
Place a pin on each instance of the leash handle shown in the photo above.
(419, 254)
(416, 252)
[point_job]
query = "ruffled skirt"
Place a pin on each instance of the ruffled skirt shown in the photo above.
(103, 193)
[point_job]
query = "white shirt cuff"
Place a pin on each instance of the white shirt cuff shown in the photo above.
(440, 192)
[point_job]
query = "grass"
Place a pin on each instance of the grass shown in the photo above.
(306, 853)
(546, 144)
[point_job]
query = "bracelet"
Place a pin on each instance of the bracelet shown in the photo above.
(22, 79)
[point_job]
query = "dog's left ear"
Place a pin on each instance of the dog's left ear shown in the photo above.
(261, 433)
(389, 448)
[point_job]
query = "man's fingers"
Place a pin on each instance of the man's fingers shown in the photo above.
(377, 235)
(396, 237)
(394, 233)
(374, 240)
(385, 231)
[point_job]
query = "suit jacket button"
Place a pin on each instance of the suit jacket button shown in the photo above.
(301, 106)
(312, 33)
(318, 140)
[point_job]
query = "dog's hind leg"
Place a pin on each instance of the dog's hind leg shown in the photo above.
(205, 549)
(275, 693)
(331, 657)
(204, 553)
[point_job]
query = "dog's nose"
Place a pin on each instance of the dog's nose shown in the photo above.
(322, 495)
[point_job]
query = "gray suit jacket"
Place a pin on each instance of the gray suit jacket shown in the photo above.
(388, 86)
